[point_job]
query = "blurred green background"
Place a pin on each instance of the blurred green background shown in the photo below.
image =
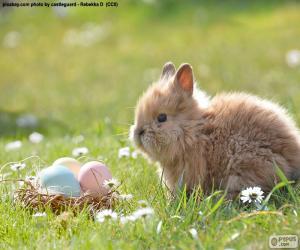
(78, 69)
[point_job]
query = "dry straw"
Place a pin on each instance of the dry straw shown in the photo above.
(29, 196)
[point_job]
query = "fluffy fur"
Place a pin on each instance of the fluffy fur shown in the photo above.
(231, 142)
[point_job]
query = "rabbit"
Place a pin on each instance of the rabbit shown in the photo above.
(229, 142)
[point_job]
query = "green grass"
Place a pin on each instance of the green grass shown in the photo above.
(73, 90)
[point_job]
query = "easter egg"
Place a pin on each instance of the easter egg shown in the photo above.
(70, 163)
(92, 176)
(59, 180)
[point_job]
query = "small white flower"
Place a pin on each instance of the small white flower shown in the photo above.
(111, 183)
(125, 219)
(38, 215)
(13, 145)
(125, 197)
(80, 151)
(143, 212)
(90, 34)
(293, 58)
(134, 154)
(194, 233)
(78, 139)
(31, 179)
(250, 194)
(12, 39)
(124, 152)
(106, 214)
(36, 137)
(17, 166)
(158, 228)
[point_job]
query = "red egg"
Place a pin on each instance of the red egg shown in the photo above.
(91, 178)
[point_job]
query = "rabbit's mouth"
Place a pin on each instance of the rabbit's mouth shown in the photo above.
(143, 141)
(135, 136)
(151, 145)
(146, 140)
(147, 143)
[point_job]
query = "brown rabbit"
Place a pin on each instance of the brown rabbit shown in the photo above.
(232, 141)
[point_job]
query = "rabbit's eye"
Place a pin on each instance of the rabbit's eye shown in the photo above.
(162, 118)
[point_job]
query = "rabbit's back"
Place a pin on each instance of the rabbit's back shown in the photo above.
(249, 136)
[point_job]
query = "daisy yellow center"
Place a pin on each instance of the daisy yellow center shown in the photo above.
(253, 196)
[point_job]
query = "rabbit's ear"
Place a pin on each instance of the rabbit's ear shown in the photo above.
(184, 79)
(168, 70)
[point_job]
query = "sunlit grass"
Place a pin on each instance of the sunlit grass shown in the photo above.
(92, 90)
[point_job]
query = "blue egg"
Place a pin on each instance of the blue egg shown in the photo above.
(59, 180)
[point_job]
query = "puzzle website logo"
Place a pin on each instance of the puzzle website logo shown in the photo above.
(284, 241)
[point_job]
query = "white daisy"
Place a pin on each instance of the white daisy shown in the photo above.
(38, 215)
(293, 58)
(111, 183)
(194, 233)
(143, 212)
(134, 154)
(250, 194)
(18, 166)
(124, 152)
(32, 179)
(125, 197)
(78, 139)
(11, 39)
(36, 137)
(128, 218)
(106, 214)
(90, 33)
(13, 145)
(80, 151)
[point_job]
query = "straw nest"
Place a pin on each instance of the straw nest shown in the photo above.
(29, 196)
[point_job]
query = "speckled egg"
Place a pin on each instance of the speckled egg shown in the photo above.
(59, 180)
(92, 176)
(70, 163)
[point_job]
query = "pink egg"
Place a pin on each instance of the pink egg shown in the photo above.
(92, 176)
